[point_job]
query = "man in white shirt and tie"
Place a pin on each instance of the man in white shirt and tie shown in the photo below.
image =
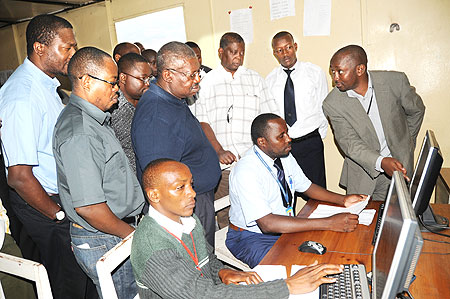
(299, 89)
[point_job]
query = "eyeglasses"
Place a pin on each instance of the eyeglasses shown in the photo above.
(188, 76)
(230, 114)
(103, 80)
(145, 80)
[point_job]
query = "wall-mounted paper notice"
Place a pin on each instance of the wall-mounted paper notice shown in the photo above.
(317, 17)
(281, 8)
(241, 22)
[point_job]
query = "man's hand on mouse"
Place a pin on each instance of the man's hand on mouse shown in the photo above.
(311, 277)
(344, 222)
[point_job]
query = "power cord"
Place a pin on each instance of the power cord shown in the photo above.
(431, 230)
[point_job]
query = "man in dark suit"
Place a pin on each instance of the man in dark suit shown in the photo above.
(375, 117)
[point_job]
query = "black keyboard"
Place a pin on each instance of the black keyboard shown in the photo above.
(350, 284)
(377, 227)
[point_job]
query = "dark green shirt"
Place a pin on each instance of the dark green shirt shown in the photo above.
(91, 165)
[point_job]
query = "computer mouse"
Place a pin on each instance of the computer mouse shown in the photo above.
(312, 247)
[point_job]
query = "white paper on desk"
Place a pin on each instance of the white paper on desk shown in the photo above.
(241, 21)
(365, 216)
(323, 211)
(272, 272)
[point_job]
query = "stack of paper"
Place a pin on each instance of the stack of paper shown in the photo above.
(365, 216)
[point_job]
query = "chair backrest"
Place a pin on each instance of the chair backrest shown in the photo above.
(221, 249)
(28, 269)
(108, 262)
(222, 203)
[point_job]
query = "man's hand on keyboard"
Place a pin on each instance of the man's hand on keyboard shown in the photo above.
(311, 277)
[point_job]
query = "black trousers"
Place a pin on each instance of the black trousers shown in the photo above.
(204, 209)
(67, 280)
(309, 155)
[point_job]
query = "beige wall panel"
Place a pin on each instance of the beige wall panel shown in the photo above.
(90, 25)
(9, 60)
(421, 49)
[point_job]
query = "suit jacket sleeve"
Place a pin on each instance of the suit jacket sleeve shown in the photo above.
(413, 106)
(362, 151)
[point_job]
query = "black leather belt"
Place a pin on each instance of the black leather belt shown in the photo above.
(307, 136)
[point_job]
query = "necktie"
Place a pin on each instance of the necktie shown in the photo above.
(290, 115)
(282, 179)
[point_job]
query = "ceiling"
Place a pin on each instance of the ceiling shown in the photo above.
(16, 11)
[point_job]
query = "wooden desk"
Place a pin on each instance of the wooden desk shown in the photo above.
(433, 271)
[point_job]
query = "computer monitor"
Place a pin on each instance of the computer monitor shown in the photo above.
(398, 245)
(423, 181)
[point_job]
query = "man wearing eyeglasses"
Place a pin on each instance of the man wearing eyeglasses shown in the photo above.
(29, 108)
(99, 191)
(164, 127)
(134, 80)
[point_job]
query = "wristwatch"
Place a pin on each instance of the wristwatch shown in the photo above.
(60, 215)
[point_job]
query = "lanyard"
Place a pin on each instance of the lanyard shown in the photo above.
(286, 196)
(370, 104)
(193, 256)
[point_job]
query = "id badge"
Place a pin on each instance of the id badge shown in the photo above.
(289, 211)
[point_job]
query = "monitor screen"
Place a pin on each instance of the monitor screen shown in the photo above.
(398, 244)
(425, 174)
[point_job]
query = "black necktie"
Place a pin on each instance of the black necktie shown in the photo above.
(282, 179)
(290, 115)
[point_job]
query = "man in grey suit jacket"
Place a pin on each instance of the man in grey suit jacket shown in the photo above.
(375, 117)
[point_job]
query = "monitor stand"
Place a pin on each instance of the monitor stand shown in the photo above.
(433, 221)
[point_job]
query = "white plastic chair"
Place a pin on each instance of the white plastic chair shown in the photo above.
(27, 269)
(221, 249)
(108, 262)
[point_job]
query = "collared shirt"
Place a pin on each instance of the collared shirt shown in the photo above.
(255, 193)
(121, 119)
(92, 166)
(229, 104)
(374, 115)
(164, 127)
(186, 226)
(311, 88)
(29, 108)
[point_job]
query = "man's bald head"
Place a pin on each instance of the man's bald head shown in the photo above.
(152, 177)
(128, 62)
(353, 53)
(172, 54)
(87, 60)
(124, 48)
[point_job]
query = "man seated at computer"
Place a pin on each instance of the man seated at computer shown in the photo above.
(261, 188)
(171, 258)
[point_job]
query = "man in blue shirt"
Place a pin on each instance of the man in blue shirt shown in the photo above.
(164, 127)
(29, 108)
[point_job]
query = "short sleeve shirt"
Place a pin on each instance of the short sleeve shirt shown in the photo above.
(29, 108)
(229, 104)
(255, 193)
